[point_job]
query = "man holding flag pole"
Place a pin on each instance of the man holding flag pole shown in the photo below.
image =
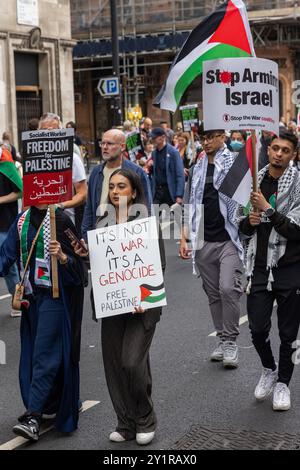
(272, 233)
(225, 33)
(217, 252)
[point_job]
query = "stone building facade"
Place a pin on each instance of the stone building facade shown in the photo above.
(36, 73)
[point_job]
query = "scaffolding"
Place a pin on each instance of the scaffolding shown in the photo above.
(165, 24)
(91, 18)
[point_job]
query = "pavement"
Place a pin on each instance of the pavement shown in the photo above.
(189, 392)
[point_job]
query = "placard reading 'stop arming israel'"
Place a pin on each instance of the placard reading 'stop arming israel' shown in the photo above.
(241, 94)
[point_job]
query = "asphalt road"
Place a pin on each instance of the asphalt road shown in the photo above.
(187, 388)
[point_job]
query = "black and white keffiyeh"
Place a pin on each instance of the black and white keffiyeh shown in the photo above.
(288, 204)
(223, 162)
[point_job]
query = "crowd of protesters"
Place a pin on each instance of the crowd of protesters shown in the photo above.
(175, 168)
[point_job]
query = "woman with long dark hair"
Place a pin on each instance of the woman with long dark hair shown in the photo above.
(126, 339)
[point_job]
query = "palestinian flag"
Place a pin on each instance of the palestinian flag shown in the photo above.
(152, 294)
(237, 183)
(8, 168)
(225, 33)
(42, 273)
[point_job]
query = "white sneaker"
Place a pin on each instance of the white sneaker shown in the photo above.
(230, 355)
(144, 438)
(281, 397)
(15, 313)
(217, 354)
(116, 437)
(265, 384)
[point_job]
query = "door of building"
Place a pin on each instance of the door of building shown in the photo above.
(29, 106)
(28, 91)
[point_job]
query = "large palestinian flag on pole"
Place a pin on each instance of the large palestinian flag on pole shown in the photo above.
(225, 33)
(8, 168)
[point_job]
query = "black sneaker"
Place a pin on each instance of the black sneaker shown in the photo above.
(29, 428)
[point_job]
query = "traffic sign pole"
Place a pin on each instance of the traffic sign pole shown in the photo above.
(116, 101)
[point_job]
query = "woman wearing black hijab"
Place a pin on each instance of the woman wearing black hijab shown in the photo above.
(50, 328)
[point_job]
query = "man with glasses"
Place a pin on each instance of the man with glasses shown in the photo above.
(273, 266)
(113, 145)
(217, 251)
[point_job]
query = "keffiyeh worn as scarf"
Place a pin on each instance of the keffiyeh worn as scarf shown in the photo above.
(223, 162)
(287, 204)
(42, 275)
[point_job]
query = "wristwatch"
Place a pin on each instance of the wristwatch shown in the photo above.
(269, 212)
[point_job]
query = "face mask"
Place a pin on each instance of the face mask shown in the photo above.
(236, 145)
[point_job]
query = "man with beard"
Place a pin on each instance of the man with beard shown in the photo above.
(272, 229)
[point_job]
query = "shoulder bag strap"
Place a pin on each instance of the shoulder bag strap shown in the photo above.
(30, 252)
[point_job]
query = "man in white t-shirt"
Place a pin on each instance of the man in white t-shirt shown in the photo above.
(52, 121)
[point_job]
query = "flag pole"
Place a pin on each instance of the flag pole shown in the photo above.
(254, 160)
(193, 147)
(55, 289)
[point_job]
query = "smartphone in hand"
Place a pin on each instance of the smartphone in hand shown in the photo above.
(72, 237)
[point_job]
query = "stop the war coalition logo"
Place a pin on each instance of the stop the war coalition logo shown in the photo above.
(241, 94)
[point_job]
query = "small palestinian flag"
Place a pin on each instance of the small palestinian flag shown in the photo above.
(225, 33)
(152, 294)
(42, 273)
(8, 168)
(237, 183)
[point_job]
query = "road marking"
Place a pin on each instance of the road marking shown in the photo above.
(6, 296)
(19, 441)
(243, 320)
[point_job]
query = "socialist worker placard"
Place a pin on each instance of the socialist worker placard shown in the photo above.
(47, 166)
(126, 267)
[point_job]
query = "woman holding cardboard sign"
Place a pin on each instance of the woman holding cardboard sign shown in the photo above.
(126, 338)
(50, 328)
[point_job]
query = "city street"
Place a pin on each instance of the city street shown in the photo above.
(188, 390)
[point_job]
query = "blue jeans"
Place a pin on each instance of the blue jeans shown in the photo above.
(12, 278)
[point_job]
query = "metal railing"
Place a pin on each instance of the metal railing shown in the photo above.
(91, 18)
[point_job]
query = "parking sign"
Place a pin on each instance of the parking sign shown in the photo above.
(109, 86)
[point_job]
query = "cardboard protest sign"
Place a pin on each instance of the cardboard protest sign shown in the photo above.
(241, 94)
(47, 166)
(126, 267)
(189, 117)
(134, 146)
